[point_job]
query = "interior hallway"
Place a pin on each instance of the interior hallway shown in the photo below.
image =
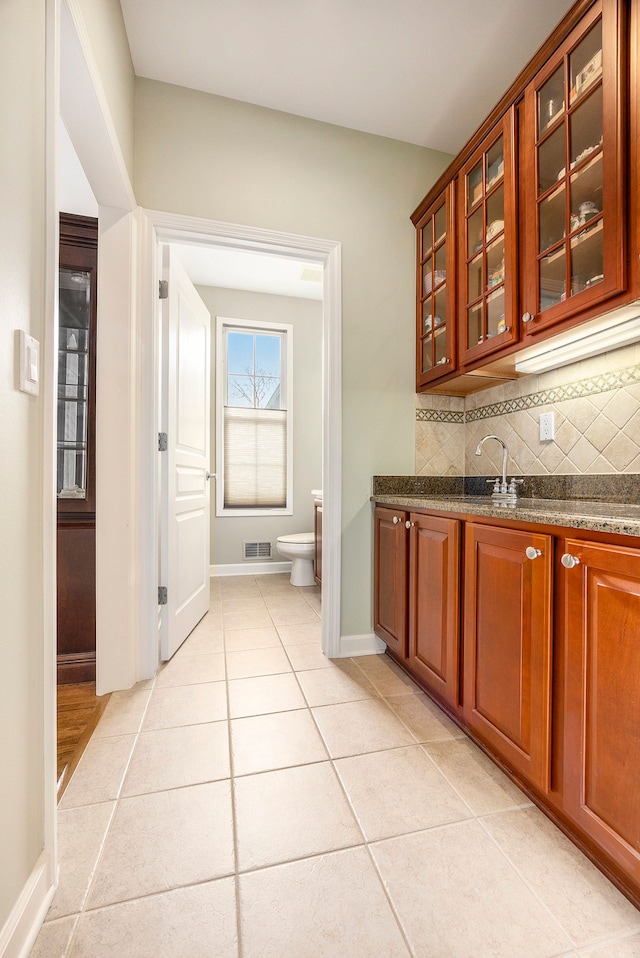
(256, 799)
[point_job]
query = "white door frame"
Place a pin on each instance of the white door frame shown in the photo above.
(157, 227)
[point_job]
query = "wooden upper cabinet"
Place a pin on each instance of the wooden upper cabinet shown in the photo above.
(602, 697)
(508, 646)
(435, 340)
(545, 197)
(487, 245)
(572, 164)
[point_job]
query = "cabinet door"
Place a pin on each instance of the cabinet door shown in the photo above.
(573, 161)
(602, 697)
(435, 340)
(390, 579)
(317, 528)
(507, 646)
(487, 203)
(434, 604)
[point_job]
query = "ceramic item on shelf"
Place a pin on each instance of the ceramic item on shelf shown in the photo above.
(495, 227)
(587, 211)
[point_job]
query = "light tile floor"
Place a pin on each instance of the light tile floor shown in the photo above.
(257, 799)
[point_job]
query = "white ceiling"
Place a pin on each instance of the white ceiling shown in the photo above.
(423, 71)
(256, 272)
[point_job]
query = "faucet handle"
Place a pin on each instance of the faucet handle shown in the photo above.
(512, 486)
(496, 484)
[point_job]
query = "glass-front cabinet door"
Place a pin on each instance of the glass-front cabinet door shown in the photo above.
(488, 228)
(436, 290)
(76, 365)
(575, 254)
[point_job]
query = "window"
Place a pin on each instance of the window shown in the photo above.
(254, 418)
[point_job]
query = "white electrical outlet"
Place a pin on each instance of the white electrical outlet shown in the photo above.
(547, 427)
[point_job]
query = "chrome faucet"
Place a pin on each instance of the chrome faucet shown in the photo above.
(501, 489)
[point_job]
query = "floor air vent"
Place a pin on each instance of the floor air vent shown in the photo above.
(256, 550)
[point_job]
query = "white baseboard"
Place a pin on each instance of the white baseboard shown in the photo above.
(250, 568)
(23, 924)
(368, 644)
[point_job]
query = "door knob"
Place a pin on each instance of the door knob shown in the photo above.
(527, 317)
(396, 520)
(569, 561)
(210, 475)
(408, 524)
(532, 553)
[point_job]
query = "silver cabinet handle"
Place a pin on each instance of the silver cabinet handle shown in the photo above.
(527, 317)
(396, 520)
(532, 553)
(569, 561)
(443, 361)
(409, 525)
(210, 475)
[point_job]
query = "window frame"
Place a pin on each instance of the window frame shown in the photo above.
(285, 330)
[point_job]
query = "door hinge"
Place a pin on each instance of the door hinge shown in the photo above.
(162, 595)
(163, 289)
(163, 442)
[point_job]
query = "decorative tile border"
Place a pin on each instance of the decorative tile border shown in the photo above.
(603, 382)
(439, 415)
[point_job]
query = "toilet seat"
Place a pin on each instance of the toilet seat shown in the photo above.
(299, 537)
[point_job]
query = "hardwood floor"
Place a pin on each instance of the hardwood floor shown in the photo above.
(78, 711)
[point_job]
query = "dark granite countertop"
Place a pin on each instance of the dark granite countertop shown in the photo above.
(596, 503)
(616, 517)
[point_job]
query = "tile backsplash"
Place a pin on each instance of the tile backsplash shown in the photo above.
(596, 406)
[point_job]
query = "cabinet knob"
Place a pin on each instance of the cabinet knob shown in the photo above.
(526, 317)
(569, 561)
(443, 361)
(396, 520)
(409, 525)
(532, 553)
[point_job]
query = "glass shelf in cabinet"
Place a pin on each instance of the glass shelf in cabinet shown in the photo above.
(585, 63)
(552, 160)
(496, 313)
(475, 278)
(474, 186)
(495, 165)
(551, 100)
(475, 231)
(439, 226)
(475, 324)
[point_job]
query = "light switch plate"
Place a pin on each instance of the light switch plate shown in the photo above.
(29, 364)
(547, 427)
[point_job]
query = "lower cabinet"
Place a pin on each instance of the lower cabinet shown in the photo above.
(601, 627)
(390, 575)
(317, 533)
(434, 608)
(507, 645)
(532, 641)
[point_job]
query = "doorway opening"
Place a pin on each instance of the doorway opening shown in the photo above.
(159, 229)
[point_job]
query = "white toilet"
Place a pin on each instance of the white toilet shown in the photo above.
(300, 548)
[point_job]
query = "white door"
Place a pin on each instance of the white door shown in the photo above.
(186, 336)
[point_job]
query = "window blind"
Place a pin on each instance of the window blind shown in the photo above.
(255, 458)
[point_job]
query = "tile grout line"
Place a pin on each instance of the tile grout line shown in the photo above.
(365, 843)
(528, 885)
(234, 824)
(116, 803)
